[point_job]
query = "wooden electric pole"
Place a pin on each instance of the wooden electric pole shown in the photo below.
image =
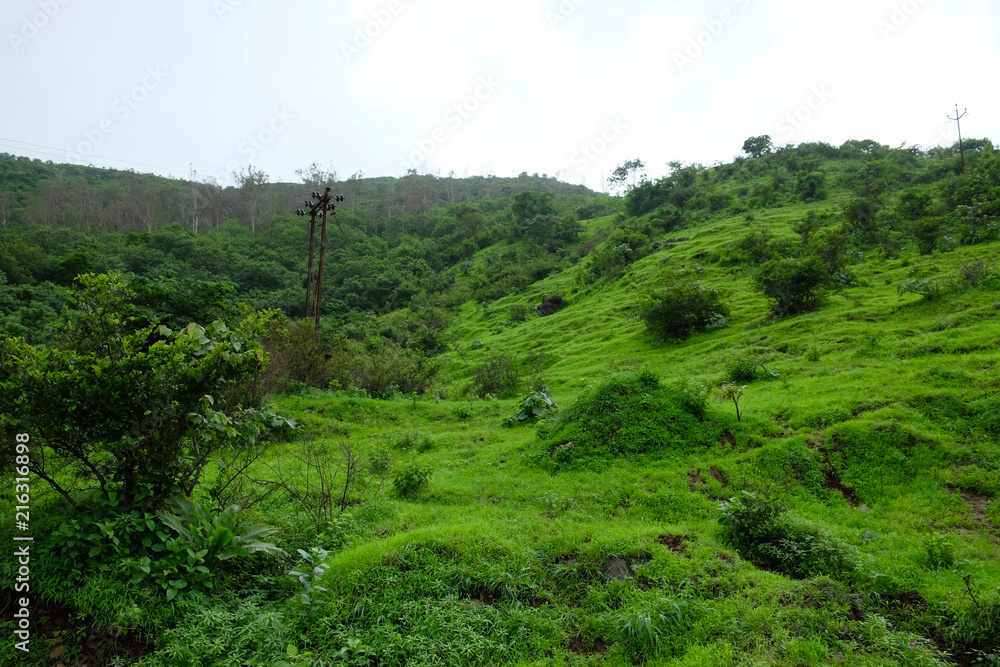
(323, 204)
(958, 119)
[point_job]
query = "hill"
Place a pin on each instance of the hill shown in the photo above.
(775, 439)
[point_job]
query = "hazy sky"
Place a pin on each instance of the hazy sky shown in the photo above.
(564, 87)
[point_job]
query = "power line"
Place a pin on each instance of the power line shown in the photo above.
(65, 157)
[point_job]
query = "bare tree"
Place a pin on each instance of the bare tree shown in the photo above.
(251, 182)
(316, 177)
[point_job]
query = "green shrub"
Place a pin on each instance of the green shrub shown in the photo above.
(630, 413)
(759, 529)
(940, 552)
(794, 285)
(742, 369)
(682, 308)
(499, 375)
(534, 407)
(412, 479)
(517, 312)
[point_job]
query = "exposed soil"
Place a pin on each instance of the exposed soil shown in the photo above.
(694, 477)
(675, 543)
(718, 476)
(977, 512)
(727, 439)
(832, 481)
(577, 646)
(100, 645)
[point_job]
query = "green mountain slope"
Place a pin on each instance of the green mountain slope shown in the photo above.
(849, 516)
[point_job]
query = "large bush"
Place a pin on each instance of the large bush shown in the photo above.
(631, 413)
(131, 410)
(682, 308)
(794, 285)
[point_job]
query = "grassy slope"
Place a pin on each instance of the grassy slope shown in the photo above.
(519, 550)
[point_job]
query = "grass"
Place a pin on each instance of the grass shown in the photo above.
(875, 429)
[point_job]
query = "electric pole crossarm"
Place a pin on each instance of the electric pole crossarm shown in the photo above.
(323, 205)
(958, 119)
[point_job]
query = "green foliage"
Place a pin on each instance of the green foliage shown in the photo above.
(759, 529)
(628, 413)
(731, 392)
(810, 186)
(758, 146)
(742, 368)
(517, 312)
(534, 407)
(136, 412)
(411, 479)
(499, 376)
(622, 247)
(314, 569)
(682, 308)
(940, 552)
(927, 231)
(203, 542)
(793, 285)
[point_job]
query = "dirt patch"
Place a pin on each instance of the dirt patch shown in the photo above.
(832, 481)
(694, 478)
(977, 511)
(674, 542)
(718, 476)
(100, 645)
(598, 647)
(727, 439)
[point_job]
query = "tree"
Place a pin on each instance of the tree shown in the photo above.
(251, 181)
(758, 146)
(794, 285)
(130, 411)
(527, 205)
(627, 173)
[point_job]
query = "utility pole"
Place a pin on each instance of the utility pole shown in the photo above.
(958, 119)
(324, 205)
(194, 198)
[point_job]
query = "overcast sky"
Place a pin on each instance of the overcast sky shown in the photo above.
(564, 87)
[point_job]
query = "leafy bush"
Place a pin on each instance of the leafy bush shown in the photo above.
(314, 570)
(499, 376)
(517, 312)
(622, 247)
(940, 552)
(136, 411)
(203, 541)
(534, 407)
(742, 369)
(681, 308)
(629, 413)
(412, 479)
(794, 285)
(758, 528)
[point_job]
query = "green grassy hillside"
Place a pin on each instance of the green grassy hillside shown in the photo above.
(849, 516)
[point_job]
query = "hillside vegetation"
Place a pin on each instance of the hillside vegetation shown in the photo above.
(745, 414)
